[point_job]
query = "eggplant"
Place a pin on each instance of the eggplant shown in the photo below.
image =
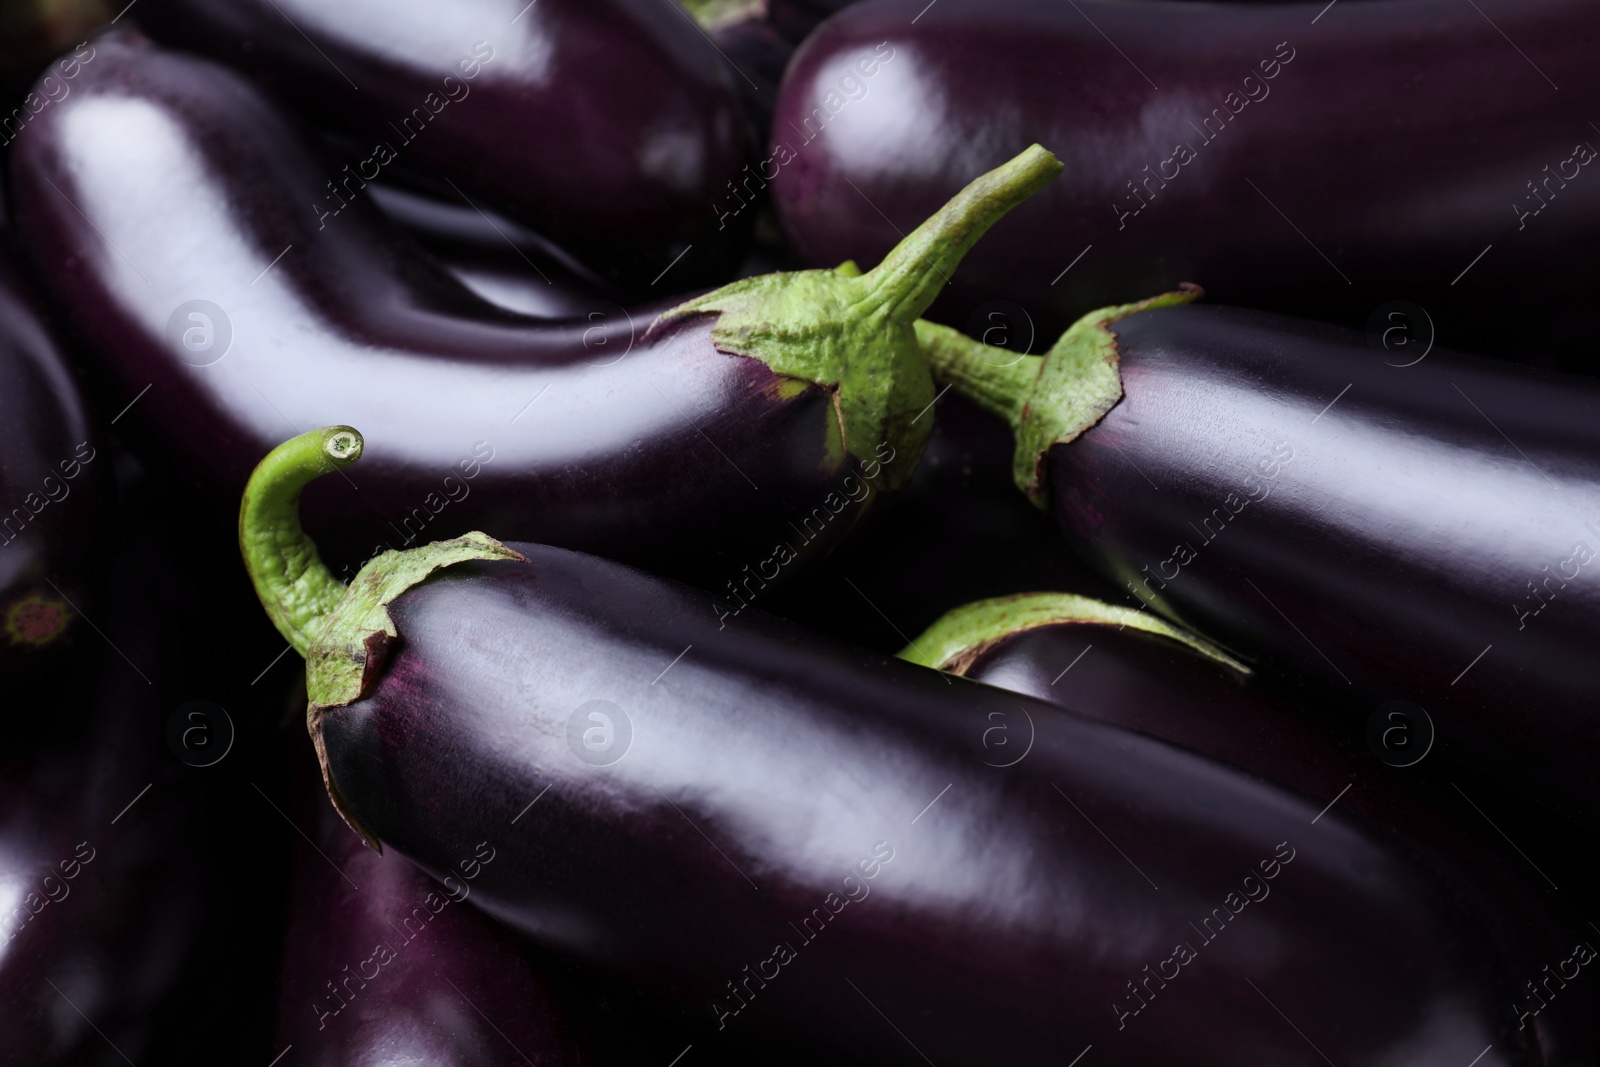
(1343, 162)
(610, 126)
(1123, 667)
(720, 438)
(754, 47)
(100, 869)
(958, 532)
(51, 488)
(503, 262)
(382, 965)
(1393, 532)
(690, 805)
(155, 741)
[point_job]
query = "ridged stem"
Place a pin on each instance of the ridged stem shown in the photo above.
(999, 381)
(914, 271)
(295, 586)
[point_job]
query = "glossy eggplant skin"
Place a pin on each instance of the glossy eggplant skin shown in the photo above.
(1420, 532)
(503, 262)
(384, 966)
(166, 179)
(50, 487)
(958, 532)
(693, 807)
(611, 126)
(99, 871)
(1154, 685)
(1367, 156)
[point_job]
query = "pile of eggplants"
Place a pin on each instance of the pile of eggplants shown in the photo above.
(609, 125)
(1113, 665)
(729, 448)
(1408, 536)
(1326, 160)
(694, 807)
(384, 965)
(99, 860)
(487, 577)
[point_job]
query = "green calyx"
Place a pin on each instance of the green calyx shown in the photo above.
(339, 630)
(957, 640)
(342, 632)
(1048, 399)
(854, 333)
(352, 641)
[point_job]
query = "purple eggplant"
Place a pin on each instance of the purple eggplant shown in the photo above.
(1127, 668)
(755, 48)
(100, 872)
(610, 126)
(50, 487)
(1305, 158)
(693, 805)
(958, 532)
(503, 262)
(1424, 532)
(383, 965)
(166, 690)
(720, 438)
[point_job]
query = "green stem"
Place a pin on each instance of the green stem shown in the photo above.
(294, 585)
(914, 271)
(853, 334)
(957, 639)
(999, 381)
(342, 631)
(1048, 400)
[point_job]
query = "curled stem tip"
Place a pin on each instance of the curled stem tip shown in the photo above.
(295, 586)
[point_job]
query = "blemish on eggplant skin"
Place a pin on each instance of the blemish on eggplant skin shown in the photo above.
(36, 620)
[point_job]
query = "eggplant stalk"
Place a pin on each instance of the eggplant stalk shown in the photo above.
(342, 631)
(1048, 399)
(814, 324)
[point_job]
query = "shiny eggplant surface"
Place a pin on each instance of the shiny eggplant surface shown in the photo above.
(1096, 661)
(958, 532)
(611, 126)
(384, 966)
(1424, 533)
(50, 487)
(788, 838)
(170, 208)
(1299, 157)
(501, 261)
